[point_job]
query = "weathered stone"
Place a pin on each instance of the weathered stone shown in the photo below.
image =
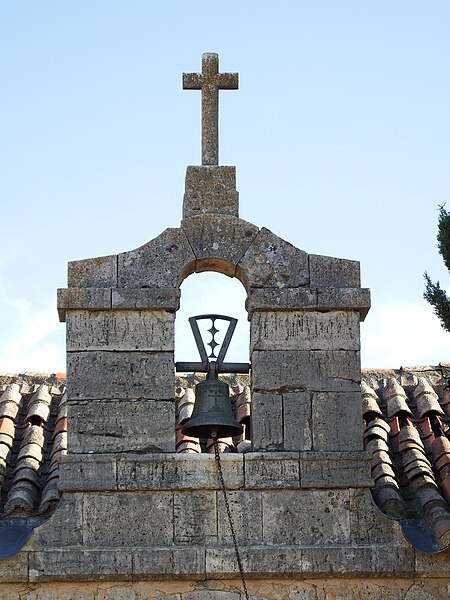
(333, 272)
(300, 298)
(210, 189)
(256, 562)
(297, 421)
(100, 272)
(178, 471)
(431, 565)
(336, 419)
(87, 472)
(117, 375)
(121, 426)
(290, 370)
(246, 512)
(305, 330)
(335, 470)
(219, 242)
(155, 298)
(135, 519)
(273, 262)
(363, 561)
(63, 528)
(267, 422)
(80, 565)
(14, 569)
(195, 518)
(83, 298)
(368, 525)
(306, 517)
(169, 563)
(120, 330)
(272, 470)
(357, 299)
(159, 263)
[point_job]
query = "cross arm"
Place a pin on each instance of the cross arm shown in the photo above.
(192, 81)
(227, 81)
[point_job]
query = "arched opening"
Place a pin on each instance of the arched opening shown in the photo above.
(212, 293)
(206, 293)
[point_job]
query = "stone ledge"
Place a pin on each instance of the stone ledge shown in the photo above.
(151, 298)
(309, 298)
(172, 471)
(313, 561)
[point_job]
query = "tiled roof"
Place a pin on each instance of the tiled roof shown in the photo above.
(33, 435)
(406, 414)
(406, 430)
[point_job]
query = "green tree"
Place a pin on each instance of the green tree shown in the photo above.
(434, 294)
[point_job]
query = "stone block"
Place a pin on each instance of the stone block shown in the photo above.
(121, 330)
(306, 517)
(273, 262)
(336, 421)
(246, 512)
(335, 470)
(100, 272)
(357, 299)
(297, 422)
(80, 565)
(210, 189)
(265, 470)
(179, 471)
(82, 298)
(219, 241)
(87, 472)
(368, 525)
(121, 426)
(271, 299)
(169, 563)
(267, 421)
(116, 375)
(258, 563)
(63, 528)
(290, 370)
(333, 272)
(155, 298)
(14, 569)
(361, 561)
(432, 565)
(134, 519)
(195, 518)
(304, 330)
(158, 263)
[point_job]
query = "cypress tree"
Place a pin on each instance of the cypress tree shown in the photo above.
(434, 294)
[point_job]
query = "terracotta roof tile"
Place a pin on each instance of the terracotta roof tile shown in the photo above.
(29, 409)
(411, 450)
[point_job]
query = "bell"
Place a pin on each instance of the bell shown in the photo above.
(212, 416)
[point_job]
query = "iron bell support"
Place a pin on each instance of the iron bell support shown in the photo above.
(212, 416)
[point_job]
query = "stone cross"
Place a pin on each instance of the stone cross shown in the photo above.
(210, 81)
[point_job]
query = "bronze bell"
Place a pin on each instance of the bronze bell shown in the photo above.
(212, 416)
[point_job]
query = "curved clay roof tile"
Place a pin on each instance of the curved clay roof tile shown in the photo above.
(426, 399)
(395, 398)
(369, 399)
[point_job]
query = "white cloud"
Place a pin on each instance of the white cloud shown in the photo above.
(398, 335)
(33, 339)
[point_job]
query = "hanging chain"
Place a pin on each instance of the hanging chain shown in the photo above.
(227, 506)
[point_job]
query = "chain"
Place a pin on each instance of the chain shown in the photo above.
(227, 506)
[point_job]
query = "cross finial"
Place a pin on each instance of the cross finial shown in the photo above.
(210, 81)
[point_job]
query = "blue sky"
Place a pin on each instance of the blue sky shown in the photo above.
(340, 133)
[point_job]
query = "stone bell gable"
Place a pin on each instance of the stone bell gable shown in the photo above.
(304, 313)
(142, 509)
